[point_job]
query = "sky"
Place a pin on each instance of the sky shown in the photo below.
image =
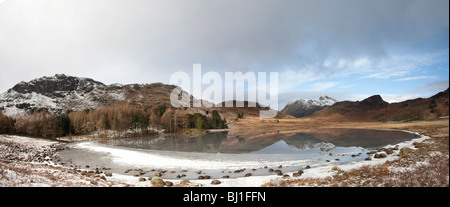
(346, 49)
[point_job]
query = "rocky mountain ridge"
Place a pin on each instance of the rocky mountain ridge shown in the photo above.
(59, 93)
(301, 108)
(375, 108)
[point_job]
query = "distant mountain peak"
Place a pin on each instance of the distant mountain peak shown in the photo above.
(301, 107)
(374, 108)
(375, 100)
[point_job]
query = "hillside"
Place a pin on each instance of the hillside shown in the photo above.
(62, 105)
(375, 108)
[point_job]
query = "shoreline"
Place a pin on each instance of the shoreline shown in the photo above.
(38, 169)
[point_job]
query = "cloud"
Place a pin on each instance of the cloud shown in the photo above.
(146, 41)
(417, 78)
(321, 86)
(435, 86)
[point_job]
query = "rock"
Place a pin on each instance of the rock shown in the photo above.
(307, 167)
(142, 179)
(300, 172)
(248, 175)
(215, 182)
(270, 170)
(296, 174)
(396, 147)
(372, 152)
(207, 177)
(201, 177)
(158, 174)
(418, 144)
(281, 166)
(168, 183)
(285, 176)
(139, 173)
(380, 155)
(279, 173)
(157, 181)
(368, 159)
(226, 176)
(404, 151)
(389, 150)
(109, 174)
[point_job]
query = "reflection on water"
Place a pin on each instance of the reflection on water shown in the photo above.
(324, 140)
(205, 143)
(218, 154)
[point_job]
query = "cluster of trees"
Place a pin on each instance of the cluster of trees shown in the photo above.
(40, 124)
(117, 118)
(6, 124)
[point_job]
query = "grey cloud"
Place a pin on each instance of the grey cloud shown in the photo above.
(145, 41)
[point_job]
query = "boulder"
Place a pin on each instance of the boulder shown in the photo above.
(404, 151)
(389, 150)
(157, 181)
(380, 155)
(168, 183)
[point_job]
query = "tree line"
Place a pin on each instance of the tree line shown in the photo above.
(124, 117)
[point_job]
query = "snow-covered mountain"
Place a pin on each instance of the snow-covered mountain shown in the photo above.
(302, 108)
(58, 93)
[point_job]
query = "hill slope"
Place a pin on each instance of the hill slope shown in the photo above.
(61, 93)
(375, 108)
